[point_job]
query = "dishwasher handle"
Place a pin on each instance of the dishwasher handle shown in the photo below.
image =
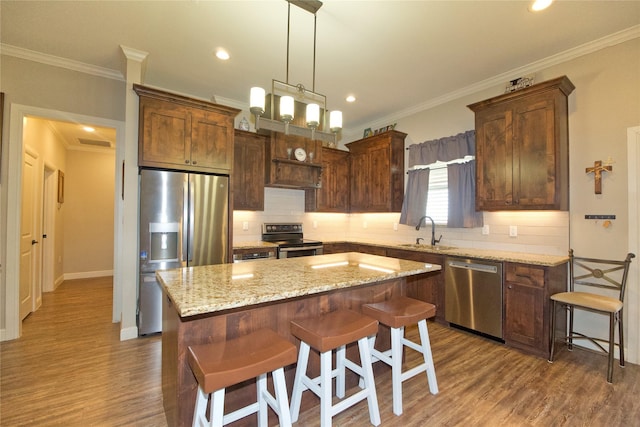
(474, 266)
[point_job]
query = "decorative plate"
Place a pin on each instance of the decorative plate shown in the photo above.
(300, 154)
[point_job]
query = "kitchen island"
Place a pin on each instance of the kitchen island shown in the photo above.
(214, 303)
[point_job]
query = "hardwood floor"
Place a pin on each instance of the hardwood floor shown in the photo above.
(69, 368)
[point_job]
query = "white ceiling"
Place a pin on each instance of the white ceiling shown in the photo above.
(394, 56)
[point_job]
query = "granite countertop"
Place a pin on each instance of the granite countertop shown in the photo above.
(488, 254)
(207, 289)
(254, 245)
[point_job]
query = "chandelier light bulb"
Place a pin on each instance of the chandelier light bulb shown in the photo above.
(313, 115)
(286, 108)
(256, 100)
(335, 121)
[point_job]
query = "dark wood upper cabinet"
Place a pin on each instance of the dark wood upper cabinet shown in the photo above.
(248, 171)
(333, 195)
(377, 172)
(522, 148)
(177, 132)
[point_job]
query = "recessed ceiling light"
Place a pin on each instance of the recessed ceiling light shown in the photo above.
(351, 98)
(88, 129)
(539, 5)
(222, 54)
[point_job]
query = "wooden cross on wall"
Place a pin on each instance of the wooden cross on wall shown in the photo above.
(597, 170)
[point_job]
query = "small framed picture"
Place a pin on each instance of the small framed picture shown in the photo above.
(60, 186)
(367, 133)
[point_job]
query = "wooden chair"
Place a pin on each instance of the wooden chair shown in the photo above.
(223, 364)
(397, 313)
(594, 273)
(333, 331)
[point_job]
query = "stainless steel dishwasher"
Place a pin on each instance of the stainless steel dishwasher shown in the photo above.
(473, 294)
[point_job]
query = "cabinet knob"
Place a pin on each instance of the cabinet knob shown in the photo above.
(194, 162)
(509, 287)
(186, 162)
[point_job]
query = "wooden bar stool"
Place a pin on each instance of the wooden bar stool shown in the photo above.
(325, 333)
(398, 313)
(219, 365)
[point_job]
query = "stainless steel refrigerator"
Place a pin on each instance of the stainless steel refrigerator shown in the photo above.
(184, 221)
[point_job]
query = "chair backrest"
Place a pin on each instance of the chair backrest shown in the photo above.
(600, 273)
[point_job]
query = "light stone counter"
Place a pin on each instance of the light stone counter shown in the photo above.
(487, 254)
(213, 288)
(254, 245)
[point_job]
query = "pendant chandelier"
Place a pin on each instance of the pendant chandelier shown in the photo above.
(291, 96)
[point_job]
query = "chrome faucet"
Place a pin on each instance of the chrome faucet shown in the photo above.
(433, 230)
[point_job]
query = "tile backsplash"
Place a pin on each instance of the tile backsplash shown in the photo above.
(540, 232)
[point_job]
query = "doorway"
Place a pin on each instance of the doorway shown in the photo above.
(12, 274)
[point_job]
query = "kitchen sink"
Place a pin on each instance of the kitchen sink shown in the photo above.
(427, 247)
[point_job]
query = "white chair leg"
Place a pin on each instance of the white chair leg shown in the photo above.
(340, 371)
(217, 408)
(200, 410)
(261, 390)
(280, 388)
(428, 357)
(298, 384)
(325, 389)
(369, 382)
(396, 368)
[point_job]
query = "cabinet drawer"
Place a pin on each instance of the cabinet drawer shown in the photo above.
(525, 274)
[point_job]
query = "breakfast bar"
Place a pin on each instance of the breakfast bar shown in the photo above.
(219, 302)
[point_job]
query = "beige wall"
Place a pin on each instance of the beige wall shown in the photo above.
(88, 220)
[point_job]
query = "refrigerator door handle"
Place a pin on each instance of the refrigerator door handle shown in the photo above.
(185, 221)
(192, 202)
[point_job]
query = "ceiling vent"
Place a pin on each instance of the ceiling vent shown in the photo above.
(94, 142)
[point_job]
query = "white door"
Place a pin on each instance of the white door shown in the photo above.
(48, 218)
(28, 234)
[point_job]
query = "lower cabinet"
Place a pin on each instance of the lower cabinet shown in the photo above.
(527, 309)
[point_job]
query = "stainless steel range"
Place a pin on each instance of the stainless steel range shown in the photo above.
(290, 240)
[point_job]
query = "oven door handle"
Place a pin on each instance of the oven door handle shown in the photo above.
(301, 248)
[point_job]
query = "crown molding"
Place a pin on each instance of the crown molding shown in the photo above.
(56, 61)
(584, 49)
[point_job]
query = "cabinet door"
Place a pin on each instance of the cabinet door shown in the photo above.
(494, 159)
(333, 196)
(525, 308)
(211, 135)
(164, 134)
(248, 171)
(379, 166)
(359, 193)
(535, 154)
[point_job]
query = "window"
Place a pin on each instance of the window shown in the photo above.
(438, 195)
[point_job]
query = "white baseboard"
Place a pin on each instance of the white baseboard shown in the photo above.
(87, 274)
(128, 333)
(58, 282)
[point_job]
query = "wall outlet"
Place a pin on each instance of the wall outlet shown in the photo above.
(245, 225)
(395, 226)
(364, 224)
(485, 230)
(315, 224)
(513, 231)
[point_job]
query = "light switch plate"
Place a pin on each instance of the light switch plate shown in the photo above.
(485, 230)
(245, 225)
(513, 231)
